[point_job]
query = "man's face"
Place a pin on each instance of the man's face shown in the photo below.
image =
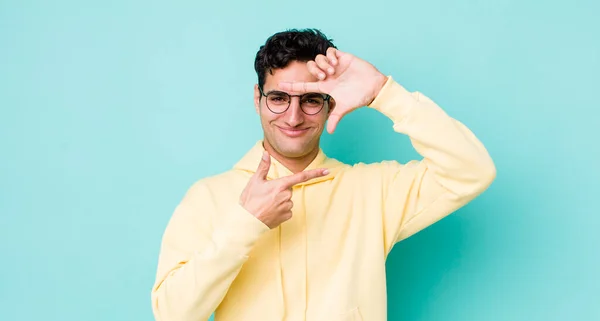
(293, 133)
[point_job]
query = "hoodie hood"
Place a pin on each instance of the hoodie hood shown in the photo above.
(249, 163)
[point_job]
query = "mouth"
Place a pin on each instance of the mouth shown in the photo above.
(293, 132)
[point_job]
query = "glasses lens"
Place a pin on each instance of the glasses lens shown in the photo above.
(312, 103)
(278, 101)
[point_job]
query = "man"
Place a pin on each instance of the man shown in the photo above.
(291, 234)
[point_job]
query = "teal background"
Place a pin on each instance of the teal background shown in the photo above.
(110, 110)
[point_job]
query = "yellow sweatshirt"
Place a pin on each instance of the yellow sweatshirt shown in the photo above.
(327, 263)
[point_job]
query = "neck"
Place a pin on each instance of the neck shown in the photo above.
(294, 164)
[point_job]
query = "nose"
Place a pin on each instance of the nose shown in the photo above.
(294, 116)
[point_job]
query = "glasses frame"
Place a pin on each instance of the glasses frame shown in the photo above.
(326, 100)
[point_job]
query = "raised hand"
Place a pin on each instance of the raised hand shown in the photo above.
(271, 200)
(351, 81)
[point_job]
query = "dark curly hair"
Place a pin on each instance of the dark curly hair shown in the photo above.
(291, 45)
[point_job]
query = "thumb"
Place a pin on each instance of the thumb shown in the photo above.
(333, 120)
(263, 166)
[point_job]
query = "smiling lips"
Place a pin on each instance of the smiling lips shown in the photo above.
(293, 132)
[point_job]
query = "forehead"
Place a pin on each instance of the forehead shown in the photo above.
(295, 71)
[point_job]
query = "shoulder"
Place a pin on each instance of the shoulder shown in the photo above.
(373, 168)
(216, 192)
(217, 182)
(381, 172)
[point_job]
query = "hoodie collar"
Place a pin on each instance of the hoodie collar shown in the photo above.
(249, 163)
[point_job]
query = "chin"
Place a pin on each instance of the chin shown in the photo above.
(293, 152)
(293, 149)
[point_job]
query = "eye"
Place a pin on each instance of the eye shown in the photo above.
(313, 100)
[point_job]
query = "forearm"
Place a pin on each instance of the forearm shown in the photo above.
(457, 159)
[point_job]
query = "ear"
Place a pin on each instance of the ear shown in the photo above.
(257, 99)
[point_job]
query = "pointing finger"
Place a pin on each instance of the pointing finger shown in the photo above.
(301, 177)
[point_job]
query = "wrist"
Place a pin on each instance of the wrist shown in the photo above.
(378, 83)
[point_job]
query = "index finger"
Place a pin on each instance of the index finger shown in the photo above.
(301, 177)
(301, 87)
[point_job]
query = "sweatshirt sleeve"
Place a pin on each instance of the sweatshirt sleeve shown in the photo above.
(454, 170)
(201, 256)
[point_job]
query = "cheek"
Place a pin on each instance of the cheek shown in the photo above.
(320, 119)
(266, 117)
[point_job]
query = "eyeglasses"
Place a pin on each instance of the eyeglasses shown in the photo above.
(310, 103)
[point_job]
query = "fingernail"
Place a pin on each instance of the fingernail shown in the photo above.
(265, 156)
(325, 172)
(321, 76)
(333, 61)
(330, 70)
